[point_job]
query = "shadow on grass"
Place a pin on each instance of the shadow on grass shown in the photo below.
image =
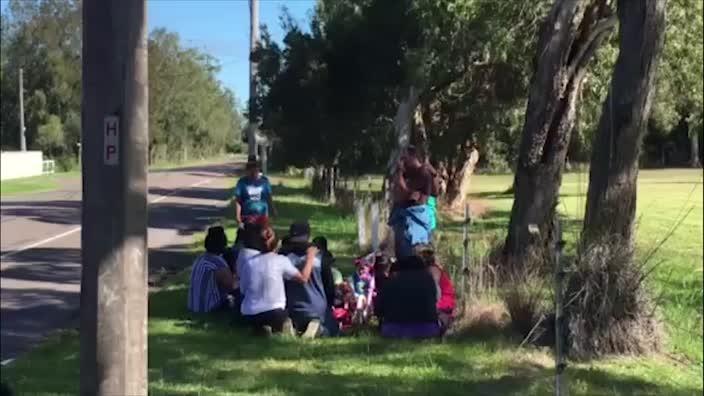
(191, 355)
(204, 354)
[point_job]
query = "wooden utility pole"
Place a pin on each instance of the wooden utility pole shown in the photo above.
(23, 139)
(114, 209)
(253, 42)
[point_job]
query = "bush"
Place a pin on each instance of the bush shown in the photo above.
(526, 292)
(608, 308)
(66, 163)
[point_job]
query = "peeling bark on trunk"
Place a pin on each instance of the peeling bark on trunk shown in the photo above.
(611, 198)
(458, 189)
(570, 35)
(403, 126)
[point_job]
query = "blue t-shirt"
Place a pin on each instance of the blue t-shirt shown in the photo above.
(253, 195)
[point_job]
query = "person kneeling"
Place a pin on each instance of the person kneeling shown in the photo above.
(262, 277)
(408, 302)
(307, 302)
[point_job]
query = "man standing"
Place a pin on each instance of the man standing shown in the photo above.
(253, 196)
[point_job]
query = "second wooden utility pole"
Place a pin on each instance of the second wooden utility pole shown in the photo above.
(23, 139)
(115, 142)
(253, 43)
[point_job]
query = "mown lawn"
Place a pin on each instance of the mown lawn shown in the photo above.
(204, 355)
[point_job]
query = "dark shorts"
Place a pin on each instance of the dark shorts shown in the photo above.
(274, 319)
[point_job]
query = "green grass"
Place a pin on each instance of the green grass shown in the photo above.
(190, 355)
(35, 184)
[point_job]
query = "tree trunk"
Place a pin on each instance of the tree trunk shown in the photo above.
(331, 185)
(403, 125)
(611, 198)
(570, 35)
(458, 189)
(694, 160)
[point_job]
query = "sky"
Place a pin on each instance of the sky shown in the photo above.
(221, 28)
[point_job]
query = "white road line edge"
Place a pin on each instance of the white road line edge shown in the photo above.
(75, 230)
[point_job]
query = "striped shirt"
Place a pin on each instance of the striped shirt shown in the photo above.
(204, 295)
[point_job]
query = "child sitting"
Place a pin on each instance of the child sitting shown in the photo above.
(361, 281)
(343, 302)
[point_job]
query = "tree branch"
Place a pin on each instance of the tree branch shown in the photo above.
(589, 46)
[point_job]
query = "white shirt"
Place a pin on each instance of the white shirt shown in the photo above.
(262, 281)
(243, 255)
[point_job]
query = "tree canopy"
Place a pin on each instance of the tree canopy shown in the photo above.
(190, 112)
(337, 82)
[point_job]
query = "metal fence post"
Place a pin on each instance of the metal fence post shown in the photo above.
(560, 358)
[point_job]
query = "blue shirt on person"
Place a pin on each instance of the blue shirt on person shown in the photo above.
(253, 195)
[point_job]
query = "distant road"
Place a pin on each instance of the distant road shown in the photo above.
(40, 268)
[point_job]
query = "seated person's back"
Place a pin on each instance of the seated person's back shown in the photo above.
(262, 276)
(408, 302)
(307, 301)
(211, 278)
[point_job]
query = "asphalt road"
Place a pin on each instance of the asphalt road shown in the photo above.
(40, 259)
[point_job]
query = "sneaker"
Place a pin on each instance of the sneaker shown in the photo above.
(312, 329)
(288, 329)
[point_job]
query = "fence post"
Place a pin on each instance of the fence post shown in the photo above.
(375, 225)
(465, 239)
(560, 359)
(361, 224)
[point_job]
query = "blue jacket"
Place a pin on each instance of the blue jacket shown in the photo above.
(412, 226)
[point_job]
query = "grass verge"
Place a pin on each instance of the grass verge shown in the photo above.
(35, 184)
(191, 355)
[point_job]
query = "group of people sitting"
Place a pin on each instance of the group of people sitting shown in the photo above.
(292, 287)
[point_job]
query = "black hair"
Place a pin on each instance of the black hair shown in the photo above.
(410, 263)
(216, 240)
(252, 237)
(425, 252)
(240, 236)
(321, 243)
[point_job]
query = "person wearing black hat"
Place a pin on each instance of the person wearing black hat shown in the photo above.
(253, 196)
(307, 302)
